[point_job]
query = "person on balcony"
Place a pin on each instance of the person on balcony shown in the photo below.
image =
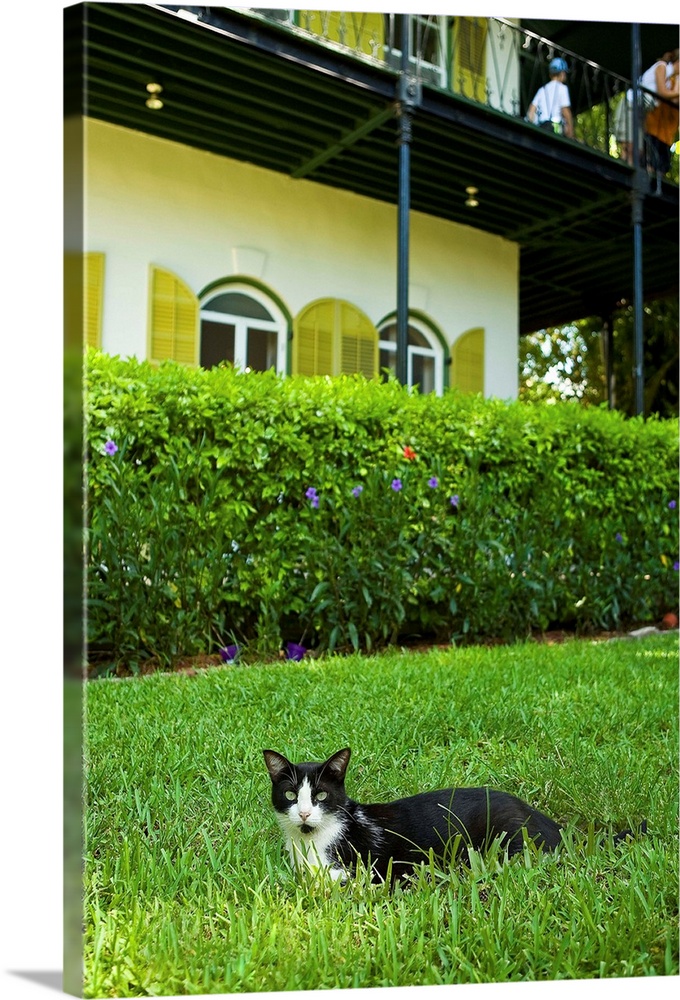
(654, 80)
(551, 107)
(661, 123)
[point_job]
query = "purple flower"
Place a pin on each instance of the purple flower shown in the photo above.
(357, 491)
(229, 653)
(676, 565)
(396, 485)
(311, 493)
(455, 500)
(672, 505)
(314, 501)
(110, 447)
(619, 536)
(433, 482)
(294, 651)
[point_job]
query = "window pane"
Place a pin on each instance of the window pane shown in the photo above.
(423, 372)
(237, 304)
(387, 359)
(425, 38)
(217, 343)
(415, 337)
(418, 339)
(261, 349)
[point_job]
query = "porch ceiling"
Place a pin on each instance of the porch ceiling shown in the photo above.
(243, 89)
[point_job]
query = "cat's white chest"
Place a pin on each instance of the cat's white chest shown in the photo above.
(311, 833)
(315, 850)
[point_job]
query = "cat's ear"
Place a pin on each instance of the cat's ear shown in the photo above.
(337, 764)
(276, 763)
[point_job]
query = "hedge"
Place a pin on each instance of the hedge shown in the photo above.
(254, 510)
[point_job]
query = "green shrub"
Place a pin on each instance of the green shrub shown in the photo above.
(260, 510)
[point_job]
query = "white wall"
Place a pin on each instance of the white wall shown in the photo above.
(206, 217)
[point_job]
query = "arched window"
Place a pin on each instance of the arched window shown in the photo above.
(425, 358)
(242, 325)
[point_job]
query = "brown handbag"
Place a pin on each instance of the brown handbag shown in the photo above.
(662, 122)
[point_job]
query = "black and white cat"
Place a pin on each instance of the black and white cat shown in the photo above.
(324, 828)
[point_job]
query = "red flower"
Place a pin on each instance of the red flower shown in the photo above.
(409, 453)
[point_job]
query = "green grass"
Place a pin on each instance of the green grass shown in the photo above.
(188, 888)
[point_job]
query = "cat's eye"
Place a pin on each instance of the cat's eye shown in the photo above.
(291, 796)
(320, 796)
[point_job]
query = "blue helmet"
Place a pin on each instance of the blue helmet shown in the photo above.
(558, 65)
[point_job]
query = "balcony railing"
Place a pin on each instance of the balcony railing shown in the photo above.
(490, 61)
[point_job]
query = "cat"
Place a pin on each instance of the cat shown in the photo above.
(324, 828)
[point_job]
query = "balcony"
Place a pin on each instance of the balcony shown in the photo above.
(492, 62)
(315, 95)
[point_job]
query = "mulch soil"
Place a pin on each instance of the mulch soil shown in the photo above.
(192, 665)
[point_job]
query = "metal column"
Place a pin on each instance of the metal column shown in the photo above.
(408, 98)
(640, 184)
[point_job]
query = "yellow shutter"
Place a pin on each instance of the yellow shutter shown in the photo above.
(468, 65)
(173, 319)
(313, 339)
(358, 342)
(93, 292)
(333, 337)
(468, 362)
(360, 31)
(83, 299)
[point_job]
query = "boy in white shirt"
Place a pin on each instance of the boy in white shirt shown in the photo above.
(551, 107)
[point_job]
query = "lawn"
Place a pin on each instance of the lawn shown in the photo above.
(188, 888)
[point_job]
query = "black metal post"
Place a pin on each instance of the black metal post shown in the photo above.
(640, 184)
(404, 108)
(403, 237)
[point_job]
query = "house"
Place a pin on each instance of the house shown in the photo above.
(242, 178)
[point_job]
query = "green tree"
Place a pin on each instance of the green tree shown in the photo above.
(660, 343)
(563, 362)
(568, 362)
